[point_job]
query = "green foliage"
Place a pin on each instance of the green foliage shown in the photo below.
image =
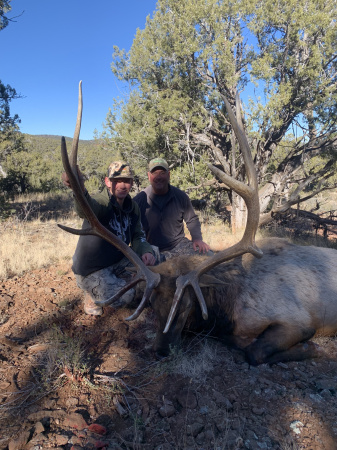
(193, 52)
(33, 163)
(4, 9)
(186, 176)
(8, 124)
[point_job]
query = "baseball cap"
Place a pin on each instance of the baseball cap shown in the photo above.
(119, 169)
(158, 163)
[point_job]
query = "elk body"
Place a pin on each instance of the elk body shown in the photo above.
(268, 307)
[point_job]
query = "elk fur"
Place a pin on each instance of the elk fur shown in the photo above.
(267, 306)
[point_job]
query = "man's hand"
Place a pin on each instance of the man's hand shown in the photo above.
(66, 182)
(148, 259)
(201, 245)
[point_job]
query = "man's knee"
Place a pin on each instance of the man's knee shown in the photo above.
(103, 285)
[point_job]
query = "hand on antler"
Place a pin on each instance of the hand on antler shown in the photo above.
(66, 181)
(148, 259)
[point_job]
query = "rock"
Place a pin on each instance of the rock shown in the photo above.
(258, 411)
(222, 401)
(167, 410)
(97, 443)
(38, 348)
(61, 439)
(296, 426)
(37, 440)
(97, 429)
(40, 415)
(121, 411)
(194, 429)
(200, 439)
(187, 399)
(39, 428)
(323, 384)
(72, 401)
(75, 440)
(209, 435)
(75, 420)
(20, 442)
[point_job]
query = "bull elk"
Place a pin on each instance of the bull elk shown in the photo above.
(268, 306)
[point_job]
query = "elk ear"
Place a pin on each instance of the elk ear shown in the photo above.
(209, 280)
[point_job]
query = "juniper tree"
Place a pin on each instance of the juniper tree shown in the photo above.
(279, 56)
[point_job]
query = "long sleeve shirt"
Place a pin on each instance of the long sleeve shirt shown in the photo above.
(163, 217)
(94, 253)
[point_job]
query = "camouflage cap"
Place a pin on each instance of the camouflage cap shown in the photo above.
(119, 169)
(158, 163)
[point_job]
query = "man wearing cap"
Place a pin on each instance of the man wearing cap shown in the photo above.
(164, 208)
(98, 266)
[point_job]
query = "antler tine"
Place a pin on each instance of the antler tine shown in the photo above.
(247, 244)
(183, 281)
(76, 138)
(97, 229)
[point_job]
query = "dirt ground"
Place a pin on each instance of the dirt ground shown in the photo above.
(70, 381)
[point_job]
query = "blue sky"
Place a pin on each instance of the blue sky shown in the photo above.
(55, 44)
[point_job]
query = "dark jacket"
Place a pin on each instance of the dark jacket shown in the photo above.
(93, 253)
(163, 217)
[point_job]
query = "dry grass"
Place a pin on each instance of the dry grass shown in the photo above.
(219, 235)
(33, 245)
(31, 239)
(28, 245)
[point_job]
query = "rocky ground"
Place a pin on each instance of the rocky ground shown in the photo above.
(70, 381)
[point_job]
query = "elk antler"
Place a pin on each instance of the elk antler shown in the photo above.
(74, 148)
(247, 244)
(97, 229)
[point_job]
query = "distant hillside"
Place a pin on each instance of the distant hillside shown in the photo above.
(44, 158)
(51, 144)
(54, 138)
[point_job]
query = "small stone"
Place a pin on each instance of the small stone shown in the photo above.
(38, 348)
(20, 442)
(222, 400)
(284, 366)
(167, 410)
(75, 420)
(97, 443)
(187, 399)
(61, 439)
(258, 411)
(75, 440)
(72, 401)
(296, 426)
(98, 429)
(39, 428)
(195, 429)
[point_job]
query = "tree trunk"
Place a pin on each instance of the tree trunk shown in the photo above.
(238, 214)
(3, 174)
